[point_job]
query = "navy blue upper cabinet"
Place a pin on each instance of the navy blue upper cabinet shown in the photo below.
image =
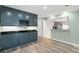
(33, 20)
(9, 16)
(26, 15)
(29, 18)
(0, 15)
(23, 18)
(8, 40)
(13, 17)
(23, 15)
(20, 15)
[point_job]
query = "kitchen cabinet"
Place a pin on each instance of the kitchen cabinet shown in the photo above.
(33, 20)
(0, 42)
(0, 16)
(9, 16)
(23, 18)
(33, 36)
(12, 39)
(21, 15)
(8, 40)
(13, 17)
(20, 38)
(29, 18)
(26, 15)
(24, 37)
(27, 37)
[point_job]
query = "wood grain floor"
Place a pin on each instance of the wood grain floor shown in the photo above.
(44, 45)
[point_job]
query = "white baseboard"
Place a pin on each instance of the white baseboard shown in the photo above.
(76, 45)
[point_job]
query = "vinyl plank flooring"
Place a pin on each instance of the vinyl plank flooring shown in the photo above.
(44, 45)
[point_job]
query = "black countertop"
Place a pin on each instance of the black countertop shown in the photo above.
(10, 32)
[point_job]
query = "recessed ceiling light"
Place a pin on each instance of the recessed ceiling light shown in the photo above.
(45, 7)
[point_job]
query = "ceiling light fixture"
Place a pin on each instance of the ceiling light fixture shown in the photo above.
(45, 7)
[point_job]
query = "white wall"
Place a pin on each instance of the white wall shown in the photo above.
(40, 29)
(47, 24)
(44, 28)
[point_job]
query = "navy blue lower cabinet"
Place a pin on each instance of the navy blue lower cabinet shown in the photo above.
(8, 40)
(20, 38)
(23, 37)
(26, 37)
(1, 43)
(12, 39)
(33, 36)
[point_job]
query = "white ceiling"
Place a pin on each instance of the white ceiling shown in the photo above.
(51, 9)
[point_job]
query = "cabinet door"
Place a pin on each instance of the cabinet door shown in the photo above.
(20, 38)
(0, 16)
(9, 40)
(23, 15)
(33, 36)
(33, 20)
(20, 15)
(23, 18)
(9, 16)
(23, 38)
(26, 16)
(26, 37)
(1, 42)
